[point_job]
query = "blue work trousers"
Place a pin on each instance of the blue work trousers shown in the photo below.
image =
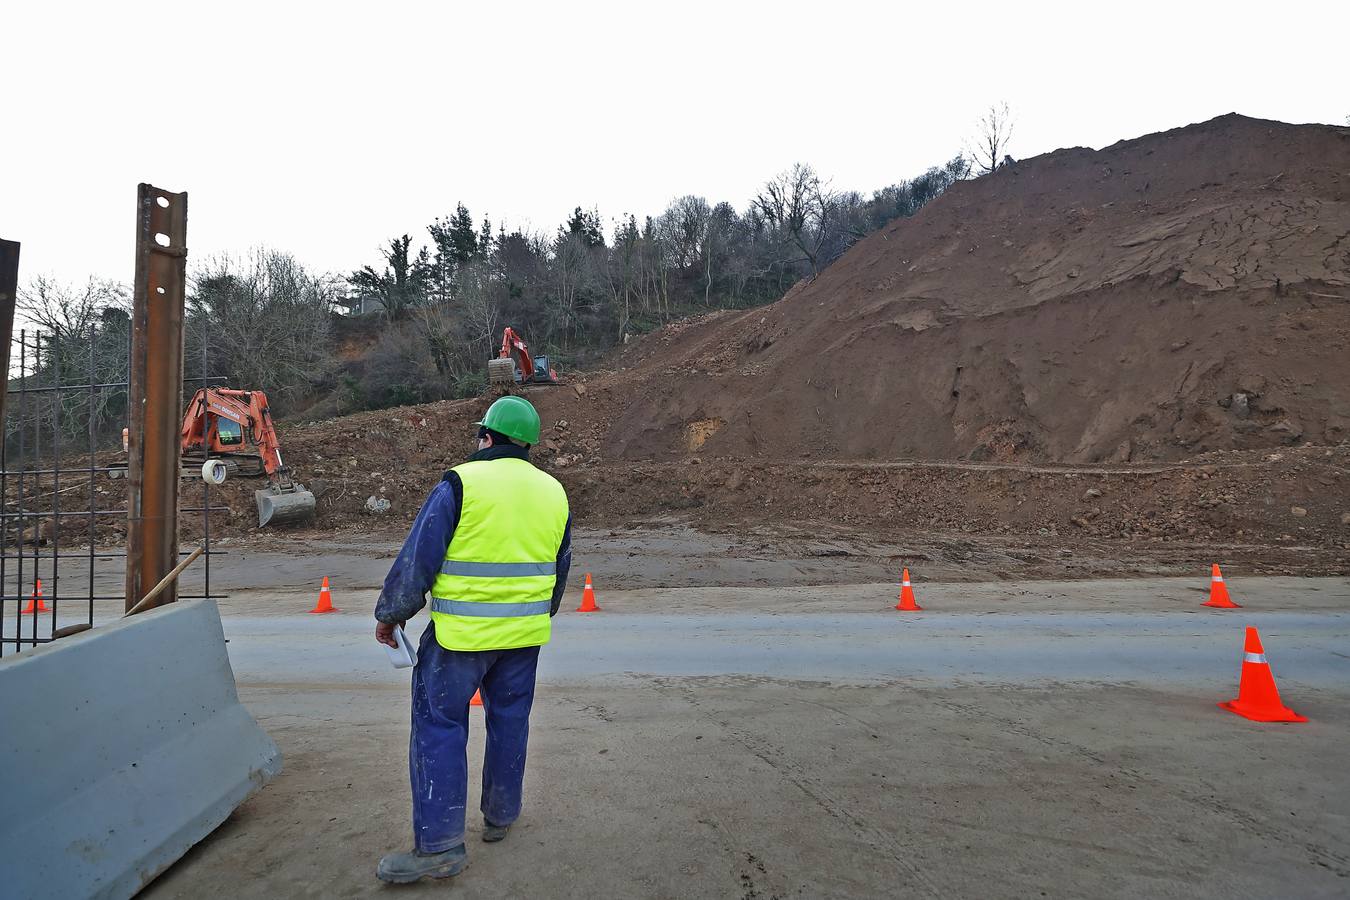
(443, 683)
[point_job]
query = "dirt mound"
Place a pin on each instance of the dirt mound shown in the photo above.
(1178, 293)
(1029, 356)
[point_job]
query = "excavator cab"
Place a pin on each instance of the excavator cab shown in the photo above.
(542, 373)
(229, 433)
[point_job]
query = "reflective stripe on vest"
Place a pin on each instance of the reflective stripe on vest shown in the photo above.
(497, 570)
(495, 587)
(491, 610)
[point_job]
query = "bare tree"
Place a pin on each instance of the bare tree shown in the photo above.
(398, 369)
(447, 336)
(800, 207)
(471, 328)
(622, 271)
(989, 148)
(684, 225)
(267, 323)
(84, 337)
(654, 283)
(66, 311)
(571, 263)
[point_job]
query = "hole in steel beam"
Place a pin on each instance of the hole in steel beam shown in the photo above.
(162, 239)
(163, 202)
(159, 290)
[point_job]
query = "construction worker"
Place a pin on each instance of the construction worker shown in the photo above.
(492, 545)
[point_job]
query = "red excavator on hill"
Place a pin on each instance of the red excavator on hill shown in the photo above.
(221, 422)
(514, 365)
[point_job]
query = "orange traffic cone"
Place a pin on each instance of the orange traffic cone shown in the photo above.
(588, 597)
(477, 699)
(1218, 591)
(907, 595)
(1258, 699)
(325, 604)
(35, 604)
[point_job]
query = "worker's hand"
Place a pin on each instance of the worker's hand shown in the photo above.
(384, 633)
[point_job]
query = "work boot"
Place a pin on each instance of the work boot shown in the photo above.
(494, 833)
(404, 868)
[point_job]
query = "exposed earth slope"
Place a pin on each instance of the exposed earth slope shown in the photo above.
(1181, 292)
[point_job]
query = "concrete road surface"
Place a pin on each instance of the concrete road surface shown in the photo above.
(1308, 649)
(1016, 739)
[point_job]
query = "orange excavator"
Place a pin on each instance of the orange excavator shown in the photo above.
(514, 365)
(221, 422)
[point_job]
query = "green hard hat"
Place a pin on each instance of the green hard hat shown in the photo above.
(514, 417)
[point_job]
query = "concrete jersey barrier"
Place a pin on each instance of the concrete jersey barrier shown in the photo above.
(120, 748)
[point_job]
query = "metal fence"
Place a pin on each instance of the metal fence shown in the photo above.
(62, 530)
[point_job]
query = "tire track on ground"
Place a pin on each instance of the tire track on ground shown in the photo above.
(1257, 827)
(773, 756)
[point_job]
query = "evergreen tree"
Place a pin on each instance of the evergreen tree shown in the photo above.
(463, 237)
(585, 225)
(403, 283)
(457, 245)
(485, 239)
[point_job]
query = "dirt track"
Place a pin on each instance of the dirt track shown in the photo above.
(1016, 739)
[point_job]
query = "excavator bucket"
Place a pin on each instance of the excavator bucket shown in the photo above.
(278, 507)
(502, 370)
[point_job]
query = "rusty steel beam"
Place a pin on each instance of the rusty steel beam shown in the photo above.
(9, 289)
(156, 392)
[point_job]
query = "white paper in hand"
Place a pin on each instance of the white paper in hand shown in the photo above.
(405, 654)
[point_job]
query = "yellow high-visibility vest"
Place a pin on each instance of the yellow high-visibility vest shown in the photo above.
(496, 584)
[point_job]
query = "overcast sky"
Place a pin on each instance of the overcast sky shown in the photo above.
(326, 128)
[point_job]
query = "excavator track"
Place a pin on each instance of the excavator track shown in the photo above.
(239, 465)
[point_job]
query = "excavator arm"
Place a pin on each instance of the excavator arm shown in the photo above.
(219, 420)
(515, 365)
(514, 347)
